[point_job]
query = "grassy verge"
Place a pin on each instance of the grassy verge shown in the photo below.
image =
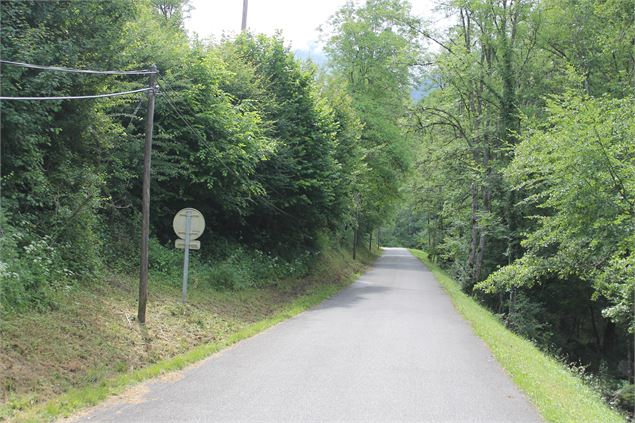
(55, 363)
(558, 394)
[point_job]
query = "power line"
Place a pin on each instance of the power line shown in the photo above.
(79, 97)
(63, 69)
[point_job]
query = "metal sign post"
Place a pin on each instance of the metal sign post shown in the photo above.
(186, 254)
(188, 225)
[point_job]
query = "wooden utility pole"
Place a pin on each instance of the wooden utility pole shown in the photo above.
(243, 26)
(145, 228)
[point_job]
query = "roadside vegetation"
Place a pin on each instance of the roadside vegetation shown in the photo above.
(89, 347)
(524, 183)
(292, 176)
(275, 153)
(559, 392)
(501, 144)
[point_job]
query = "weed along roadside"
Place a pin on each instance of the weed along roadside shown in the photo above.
(559, 395)
(90, 347)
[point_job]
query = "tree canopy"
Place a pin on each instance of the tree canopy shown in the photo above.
(501, 144)
(525, 171)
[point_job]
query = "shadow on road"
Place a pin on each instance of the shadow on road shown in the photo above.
(414, 265)
(355, 293)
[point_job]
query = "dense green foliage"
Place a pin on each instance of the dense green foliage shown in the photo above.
(372, 49)
(519, 160)
(525, 180)
(279, 157)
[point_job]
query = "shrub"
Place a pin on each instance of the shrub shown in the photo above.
(229, 275)
(163, 259)
(526, 318)
(31, 268)
(255, 269)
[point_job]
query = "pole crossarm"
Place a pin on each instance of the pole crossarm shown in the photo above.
(63, 69)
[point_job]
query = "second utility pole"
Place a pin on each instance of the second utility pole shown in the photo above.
(243, 26)
(145, 228)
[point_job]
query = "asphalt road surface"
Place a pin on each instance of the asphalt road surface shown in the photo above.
(390, 348)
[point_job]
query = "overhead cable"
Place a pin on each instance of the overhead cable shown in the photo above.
(63, 69)
(79, 97)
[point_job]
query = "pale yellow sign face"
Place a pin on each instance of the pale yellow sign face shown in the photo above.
(196, 227)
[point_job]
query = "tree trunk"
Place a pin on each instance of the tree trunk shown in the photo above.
(478, 266)
(474, 226)
(354, 243)
(596, 333)
(629, 357)
(608, 337)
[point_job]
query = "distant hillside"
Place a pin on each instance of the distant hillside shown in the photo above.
(316, 56)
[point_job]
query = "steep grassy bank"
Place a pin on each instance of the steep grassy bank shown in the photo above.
(558, 394)
(90, 347)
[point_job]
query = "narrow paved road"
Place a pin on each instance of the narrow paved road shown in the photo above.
(389, 348)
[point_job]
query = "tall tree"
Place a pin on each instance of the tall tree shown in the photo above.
(484, 72)
(300, 177)
(525, 172)
(373, 48)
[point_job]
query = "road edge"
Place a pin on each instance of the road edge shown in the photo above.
(557, 394)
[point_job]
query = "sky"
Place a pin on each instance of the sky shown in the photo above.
(298, 19)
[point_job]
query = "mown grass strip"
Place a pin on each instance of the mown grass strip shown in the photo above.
(77, 399)
(558, 394)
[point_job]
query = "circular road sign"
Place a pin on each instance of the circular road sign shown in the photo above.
(196, 227)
